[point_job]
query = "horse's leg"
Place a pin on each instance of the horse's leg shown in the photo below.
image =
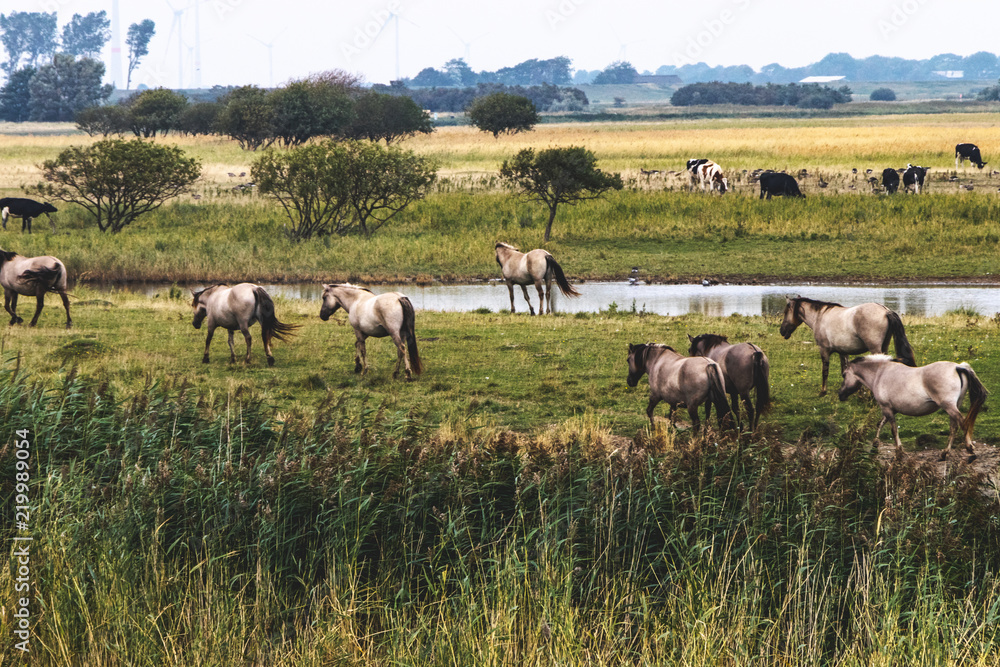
(360, 358)
(40, 297)
(65, 300)
(208, 342)
(232, 350)
(891, 417)
(401, 359)
(245, 330)
(751, 416)
(540, 286)
(695, 422)
(956, 422)
(10, 304)
(649, 412)
(265, 337)
(510, 290)
(825, 356)
(524, 290)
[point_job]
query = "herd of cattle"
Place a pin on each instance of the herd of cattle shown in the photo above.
(710, 178)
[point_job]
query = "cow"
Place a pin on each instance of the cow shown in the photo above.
(968, 152)
(709, 175)
(692, 168)
(890, 180)
(26, 209)
(913, 178)
(777, 184)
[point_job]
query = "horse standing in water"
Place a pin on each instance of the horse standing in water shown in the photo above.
(239, 307)
(537, 267)
(865, 328)
(744, 367)
(917, 392)
(677, 379)
(389, 314)
(31, 276)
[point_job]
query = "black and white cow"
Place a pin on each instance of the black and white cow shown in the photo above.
(26, 209)
(890, 180)
(777, 184)
(692, 168)
(709, 175)
(968, 152)
(913, 178)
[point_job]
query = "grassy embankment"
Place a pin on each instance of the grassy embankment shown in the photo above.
(671, 234)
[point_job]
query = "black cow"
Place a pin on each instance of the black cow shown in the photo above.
(774, 183)
(890, 180)
(26, 209)
(913, 177)
(968, 152)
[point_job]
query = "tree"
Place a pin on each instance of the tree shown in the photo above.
(248, 117)
(557, 176)
(619, 71)
(502, 113)
(86, 35)
(309, 108)
(883, 95)
(30, 35)
(155, 110)
(336, 187)
(200, 118)
(15, 96)
(117, 180)
(389, 117)
(61, 90)
(137, 41)
(104, 120)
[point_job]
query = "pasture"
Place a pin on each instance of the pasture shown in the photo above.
(512, 504)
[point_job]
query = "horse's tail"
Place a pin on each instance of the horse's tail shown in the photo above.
(977, 396)
(53, 277)
(556, 270)
(409, 332)
(717, 392)
(762, 381)
(898, 335)
(272, 328)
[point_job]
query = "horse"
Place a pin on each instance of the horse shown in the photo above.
(900, 389)
(31, 276)
(389, 314)
(865, 328)
(535, 267)
(744, 367)
(239, 307)
(677, 379)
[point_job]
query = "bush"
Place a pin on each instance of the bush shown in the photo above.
(104, 120)
(811, 95)
(155, 110)
(883, 95)
(503, 113)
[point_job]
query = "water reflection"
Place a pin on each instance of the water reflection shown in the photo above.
(716, 300)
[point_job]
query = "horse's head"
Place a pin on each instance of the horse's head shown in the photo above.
(501, 248)
(636, 363)
(702, 343)
(852, 381)
(200, 309)
(791, 319)
(330, 302)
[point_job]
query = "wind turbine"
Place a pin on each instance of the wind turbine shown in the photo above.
(178, 24)
(394, 18)
(467, 44)
(270, 56)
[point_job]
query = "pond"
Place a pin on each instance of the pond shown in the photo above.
(714, 300)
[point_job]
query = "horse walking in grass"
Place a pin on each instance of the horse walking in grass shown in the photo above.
(900, 389)
(31, 276)
(389, 314)
(537, 268)
(865, 328)
(677, 380)
(239, 307)
(745, 367)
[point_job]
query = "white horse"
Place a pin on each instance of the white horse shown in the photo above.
(526, 268)
(917, 392)
(31, 276)
(235, 308)
(389, 314)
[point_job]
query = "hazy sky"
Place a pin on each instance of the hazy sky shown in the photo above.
(360, 36)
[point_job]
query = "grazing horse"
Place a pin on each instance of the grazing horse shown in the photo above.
(31, 276)
(235, 308)
(744, 367)
(919, 391)
(677, 379)
(537, 267)
(389, 314)
(865, 328)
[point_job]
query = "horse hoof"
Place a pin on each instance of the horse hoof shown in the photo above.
(357, 368)
(69, 325)
(204, 360)
(270, 361)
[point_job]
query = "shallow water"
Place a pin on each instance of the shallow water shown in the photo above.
(714, 300)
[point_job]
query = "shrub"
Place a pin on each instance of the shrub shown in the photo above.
(883, 95)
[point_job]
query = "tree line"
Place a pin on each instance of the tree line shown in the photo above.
(545, 97)
(808, 96)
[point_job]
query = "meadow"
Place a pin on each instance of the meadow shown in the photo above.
(511, 505)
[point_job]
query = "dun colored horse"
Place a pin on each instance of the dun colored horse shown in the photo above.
(389, 314)
(744, 367)
(31, 276)
(526, 268)
(677, 379)
(919, 391)
(865, 328)
(239, 307)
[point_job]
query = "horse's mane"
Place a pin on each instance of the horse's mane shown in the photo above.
(197, 295)
(7, 256)
(875, 358)
(660, 346)
(710, 340)
(816, 302)
(364, 289)
(501, 244)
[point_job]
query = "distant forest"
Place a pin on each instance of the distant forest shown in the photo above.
(456, 73)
